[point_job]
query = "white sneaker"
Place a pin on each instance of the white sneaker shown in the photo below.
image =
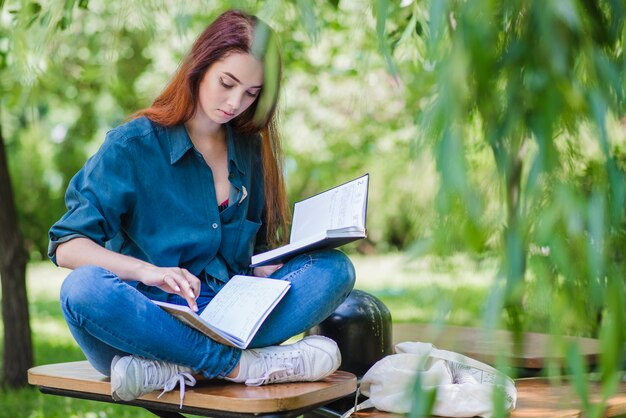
(310, 359)
(132, 377)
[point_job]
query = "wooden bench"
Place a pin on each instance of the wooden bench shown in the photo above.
(207, 398)
(538, 350)
(537, 398)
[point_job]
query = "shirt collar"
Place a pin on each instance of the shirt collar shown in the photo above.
(180, 143)
(233, 151)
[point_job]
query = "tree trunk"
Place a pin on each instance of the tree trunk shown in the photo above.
(18, 349)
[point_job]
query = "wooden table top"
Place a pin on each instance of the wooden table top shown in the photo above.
(537, 398)
(218, 395)
(483, 345)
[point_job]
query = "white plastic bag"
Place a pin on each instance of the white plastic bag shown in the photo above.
(464, 386)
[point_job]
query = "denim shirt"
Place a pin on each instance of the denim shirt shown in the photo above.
(149, 194)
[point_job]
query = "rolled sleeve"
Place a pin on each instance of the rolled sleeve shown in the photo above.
(98, 197)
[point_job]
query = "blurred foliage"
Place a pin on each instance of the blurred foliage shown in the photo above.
(490, 127)
(546, 98)
(542, 86)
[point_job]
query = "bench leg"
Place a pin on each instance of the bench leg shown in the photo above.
(164, 414)
(321, 413)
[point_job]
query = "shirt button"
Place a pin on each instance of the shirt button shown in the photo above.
(214, 225)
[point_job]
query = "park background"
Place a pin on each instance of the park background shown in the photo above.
(494, 134)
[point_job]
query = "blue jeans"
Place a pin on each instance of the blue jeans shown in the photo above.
(109, 317)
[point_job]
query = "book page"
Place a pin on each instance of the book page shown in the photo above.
(340, 207)
(240, 307)
(190, 318)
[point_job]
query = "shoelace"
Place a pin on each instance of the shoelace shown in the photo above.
(183, 379)
(279, 367)
(157, 376)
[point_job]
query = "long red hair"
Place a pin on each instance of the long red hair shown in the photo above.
(235, 31)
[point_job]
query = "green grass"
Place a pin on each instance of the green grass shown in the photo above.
(55, 348)
(452, 291)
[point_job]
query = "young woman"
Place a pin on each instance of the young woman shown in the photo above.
(171, 206)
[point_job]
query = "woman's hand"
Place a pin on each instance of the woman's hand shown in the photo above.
(173, 280)
(82, 251)
(265, 271)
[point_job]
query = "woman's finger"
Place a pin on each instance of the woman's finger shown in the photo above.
(171, 282)
(194, 282)
(185, 289)
(183, 284)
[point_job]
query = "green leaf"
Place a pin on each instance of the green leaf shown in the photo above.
(65, 21)
(410, 27)
(579, 372)
(265, 47)
(381, 22)
(423, 400)
(308, 18)
(31, 13)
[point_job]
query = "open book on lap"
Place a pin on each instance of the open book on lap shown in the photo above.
(327, 220)
(236, 313)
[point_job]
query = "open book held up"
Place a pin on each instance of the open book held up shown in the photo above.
(327, 220)
(237, 312)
